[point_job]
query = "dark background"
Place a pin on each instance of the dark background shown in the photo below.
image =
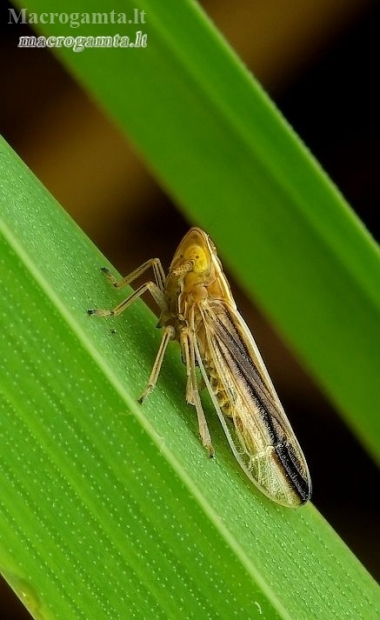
(319, 61)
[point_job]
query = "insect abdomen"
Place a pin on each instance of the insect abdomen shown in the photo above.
(223, 398)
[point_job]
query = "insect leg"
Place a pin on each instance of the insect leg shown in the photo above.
(153, 289)
(184, 340)
(168, 334)
(192, 391)
(155, 263)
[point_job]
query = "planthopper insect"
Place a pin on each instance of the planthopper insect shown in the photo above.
(198, 310)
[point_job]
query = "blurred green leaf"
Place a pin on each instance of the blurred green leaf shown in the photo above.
(222, 150)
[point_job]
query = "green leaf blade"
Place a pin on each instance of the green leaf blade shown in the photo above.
(108, 507)
(96, 496)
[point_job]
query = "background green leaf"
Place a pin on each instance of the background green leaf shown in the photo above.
(228, 158)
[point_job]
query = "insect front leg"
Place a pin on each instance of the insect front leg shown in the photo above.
(156, 288)
(169, 334)
(153, 289)
(154, 263)
(192, 390)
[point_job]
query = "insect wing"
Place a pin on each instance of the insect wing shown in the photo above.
(259, 432)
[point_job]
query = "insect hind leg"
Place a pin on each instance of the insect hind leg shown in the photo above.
(192, 390)
(202, 424)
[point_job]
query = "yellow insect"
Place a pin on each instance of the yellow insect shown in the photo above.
(198, 310)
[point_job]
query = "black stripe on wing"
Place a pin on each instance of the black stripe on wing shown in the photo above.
(237, 357)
